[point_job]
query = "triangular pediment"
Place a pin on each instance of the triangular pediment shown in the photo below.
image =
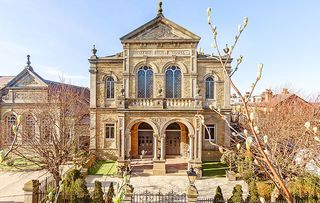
(27, 78)
(160, 29)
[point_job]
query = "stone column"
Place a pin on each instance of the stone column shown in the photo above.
(31, 189)
(191, 147)
(163, 147)
(155, 146)
(192, 194)
(128, 192)
(121, 136)
(128, 143)
(93, 132)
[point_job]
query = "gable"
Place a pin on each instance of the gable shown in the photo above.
(160, 29)
(26, 79)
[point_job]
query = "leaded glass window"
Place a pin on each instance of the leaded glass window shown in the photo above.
(209, 88)
(110, 88)
(173, 82)
(11, 121)
(145, 82)
(29, 128)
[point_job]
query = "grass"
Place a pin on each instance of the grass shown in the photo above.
(105, 167)
(18, 164)
(214, 169)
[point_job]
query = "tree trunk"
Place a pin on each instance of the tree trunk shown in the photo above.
(57, 178)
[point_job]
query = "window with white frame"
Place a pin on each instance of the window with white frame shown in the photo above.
(109, 88)
(209, 88)
(210, 133)
(109, 131)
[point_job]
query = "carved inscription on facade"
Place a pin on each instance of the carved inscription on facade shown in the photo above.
(177, 52)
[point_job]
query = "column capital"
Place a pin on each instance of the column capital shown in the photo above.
(162, 135)
(191, 135)
(155, 135)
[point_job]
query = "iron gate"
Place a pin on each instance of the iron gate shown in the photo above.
(148, 197)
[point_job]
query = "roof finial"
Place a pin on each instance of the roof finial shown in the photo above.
(160, 7)
(94, 50)
(28, 60)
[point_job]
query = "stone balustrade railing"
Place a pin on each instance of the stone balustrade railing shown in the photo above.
(163, 103)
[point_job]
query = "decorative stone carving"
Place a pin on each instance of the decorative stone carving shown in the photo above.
(159, 32)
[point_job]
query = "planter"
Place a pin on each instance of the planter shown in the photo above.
(233, 176)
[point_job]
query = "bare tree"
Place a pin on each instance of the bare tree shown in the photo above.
(51, 133)
(256, 143)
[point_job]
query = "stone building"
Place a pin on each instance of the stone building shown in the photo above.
(149, 98)
(26, 94)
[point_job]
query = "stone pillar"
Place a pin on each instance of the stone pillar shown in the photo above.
(93, 132)
(31, 189)
(155, 146)
(128, 192)
(191, 147)
(121, 136)
(192, 194)
(163, 147)
(93, 84)
(128, 143)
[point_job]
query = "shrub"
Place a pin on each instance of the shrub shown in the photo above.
(110, 193)
(218, 197)
(74, 187)
(253, 193)
(306, 188)
(236, 195)
(97, 194)
(264, 189)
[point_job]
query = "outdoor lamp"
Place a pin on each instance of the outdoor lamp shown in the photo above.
(192, 175)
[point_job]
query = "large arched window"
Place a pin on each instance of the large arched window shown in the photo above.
(109, 88)
(209, 88)
(46, 130)
(11, 120)
(145, 82)
(173, 82)
(29, 131)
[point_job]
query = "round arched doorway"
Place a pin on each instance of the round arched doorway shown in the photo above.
(176, 140)
(145, 139)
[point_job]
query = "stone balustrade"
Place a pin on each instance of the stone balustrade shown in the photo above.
(163, 103)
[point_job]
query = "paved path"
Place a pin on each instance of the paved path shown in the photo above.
(165, 184)
(11, 184)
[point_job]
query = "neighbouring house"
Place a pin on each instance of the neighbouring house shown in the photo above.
(145, 99)
(28, 93)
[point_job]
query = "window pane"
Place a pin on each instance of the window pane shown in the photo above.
(109, 88)
(212, 132)
(141, 84)
(109, 131)
(11, 121)
(209, 88)
(169, 83)
(149, 83)
(177, 83)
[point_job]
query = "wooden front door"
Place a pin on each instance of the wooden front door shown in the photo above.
(145, 142)
(173, 139)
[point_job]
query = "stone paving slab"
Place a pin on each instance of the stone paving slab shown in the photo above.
(206, 186)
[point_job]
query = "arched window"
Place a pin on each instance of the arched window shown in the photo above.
(145, 82)
(11, 120)
(209, 88)
(173, 82)
(46, 130)
(109, 88)
(29, 131)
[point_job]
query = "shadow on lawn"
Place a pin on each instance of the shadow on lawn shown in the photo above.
(214, 169)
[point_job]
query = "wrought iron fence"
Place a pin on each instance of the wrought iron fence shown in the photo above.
(148, 197)
(210, 200)
(44, 187)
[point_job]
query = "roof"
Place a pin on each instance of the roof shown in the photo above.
(4, 80)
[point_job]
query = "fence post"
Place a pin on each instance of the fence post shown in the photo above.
(128, 192)
(31, 189)
(192, 194)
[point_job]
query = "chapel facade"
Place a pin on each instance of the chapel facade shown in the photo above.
(151, 99)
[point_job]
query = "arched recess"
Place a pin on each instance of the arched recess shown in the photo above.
(181, 65)
(140, 64)
(178, 120)
(132, 135)
(112, 75)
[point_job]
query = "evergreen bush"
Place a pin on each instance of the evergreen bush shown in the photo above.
(110, 193)
(236, 195)
(97, 194)
(253, 193)
(218, 197)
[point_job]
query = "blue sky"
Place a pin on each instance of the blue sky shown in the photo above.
(284, 35)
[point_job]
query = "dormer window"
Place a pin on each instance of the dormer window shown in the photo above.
(145, 82)
(109, 88)
(173, 82)
(209, 88)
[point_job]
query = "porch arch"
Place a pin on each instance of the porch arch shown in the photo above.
(177, 120)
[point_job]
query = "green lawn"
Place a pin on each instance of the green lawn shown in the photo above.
(106, 167)
(214, 169)
(17, 164)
